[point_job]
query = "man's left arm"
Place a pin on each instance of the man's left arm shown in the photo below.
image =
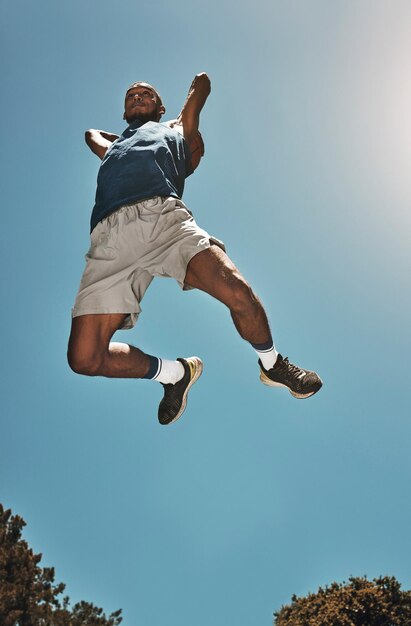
(188, 119)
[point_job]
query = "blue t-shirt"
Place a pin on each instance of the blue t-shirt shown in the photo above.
(148, 159)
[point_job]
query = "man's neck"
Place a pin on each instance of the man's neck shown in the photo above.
(141, 121)
(137, 122)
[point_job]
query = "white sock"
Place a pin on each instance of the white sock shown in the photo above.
(169, 372)
(267, 354)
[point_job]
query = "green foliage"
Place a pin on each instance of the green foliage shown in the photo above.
(29, 595)
(360, 602)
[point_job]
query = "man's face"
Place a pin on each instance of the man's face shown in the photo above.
(142, 103)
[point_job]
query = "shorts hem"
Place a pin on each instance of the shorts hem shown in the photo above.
(129, 321)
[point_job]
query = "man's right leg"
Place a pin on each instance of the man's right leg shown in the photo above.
(91, 352)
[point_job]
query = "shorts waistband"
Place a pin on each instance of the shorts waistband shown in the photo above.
(137, 203)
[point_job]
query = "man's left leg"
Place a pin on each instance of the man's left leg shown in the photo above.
(213, 271)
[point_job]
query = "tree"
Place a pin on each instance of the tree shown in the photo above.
(360, 602)
(29, 595)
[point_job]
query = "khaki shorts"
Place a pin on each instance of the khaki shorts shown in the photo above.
(154, 237)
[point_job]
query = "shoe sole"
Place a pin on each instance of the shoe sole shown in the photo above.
(270, 383)
(197, 373)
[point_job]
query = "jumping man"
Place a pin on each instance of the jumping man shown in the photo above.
(140, 228)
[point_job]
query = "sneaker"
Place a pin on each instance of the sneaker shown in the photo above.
(174, 402)
(300, 383)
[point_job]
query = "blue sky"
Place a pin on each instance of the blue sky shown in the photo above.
(252, 496)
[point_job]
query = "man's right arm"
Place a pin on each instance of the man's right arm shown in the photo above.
(99, 141)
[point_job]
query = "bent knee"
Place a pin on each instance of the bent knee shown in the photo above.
(88, 364)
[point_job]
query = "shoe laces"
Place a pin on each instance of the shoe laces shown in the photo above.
(293, 370)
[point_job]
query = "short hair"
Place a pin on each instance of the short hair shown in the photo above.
(159, 99)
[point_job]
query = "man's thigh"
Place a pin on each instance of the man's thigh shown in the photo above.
(213, 271)
(91, 334)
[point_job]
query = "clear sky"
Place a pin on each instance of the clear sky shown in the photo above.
(252, 496)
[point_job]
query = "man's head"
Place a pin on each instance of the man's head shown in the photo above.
(143, 102)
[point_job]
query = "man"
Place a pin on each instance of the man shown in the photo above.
(140, 228)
